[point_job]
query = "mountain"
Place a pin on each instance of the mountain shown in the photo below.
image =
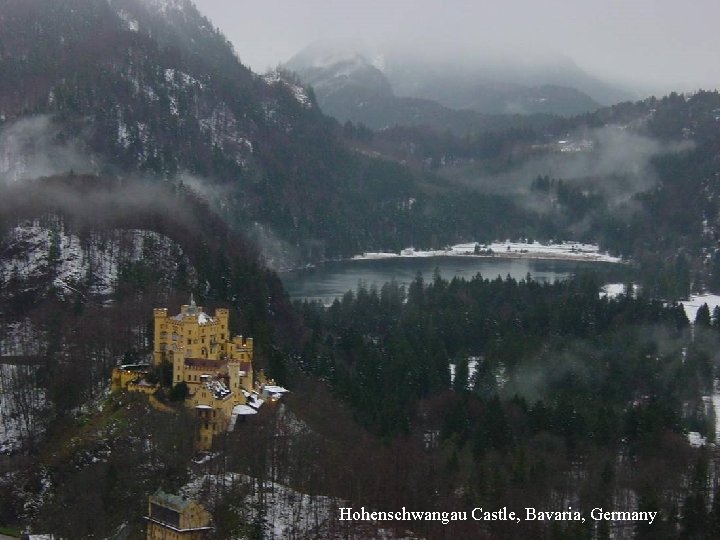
(149, 88)
(354, 82)
(134, 87)
(463, 79)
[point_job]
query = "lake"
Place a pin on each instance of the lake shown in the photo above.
(333, 279)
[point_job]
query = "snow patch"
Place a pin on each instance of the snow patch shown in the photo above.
(473, 362)
(297, 91)
(527, 250)
(46, 253)
(288, 513)
(129, 23)
(694, 303)
(696, 440)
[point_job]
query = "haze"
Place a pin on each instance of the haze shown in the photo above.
(650, 45)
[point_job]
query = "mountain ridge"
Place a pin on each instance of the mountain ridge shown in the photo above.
(483, 87)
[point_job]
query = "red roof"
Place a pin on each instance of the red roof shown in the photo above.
(204, 363)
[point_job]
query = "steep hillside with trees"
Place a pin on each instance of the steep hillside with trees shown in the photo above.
(142, 87)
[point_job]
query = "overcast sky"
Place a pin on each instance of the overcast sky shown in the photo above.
(660, 44)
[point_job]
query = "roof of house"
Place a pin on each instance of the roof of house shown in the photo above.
(169, 500)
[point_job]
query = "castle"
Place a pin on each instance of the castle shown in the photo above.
(216, 370)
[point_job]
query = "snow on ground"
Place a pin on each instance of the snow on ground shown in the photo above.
(472, 369)
(288, 513)
(612, 290)
(298, 92)
(712, 402)
(46, 252)
(129, 22)
(526, 250)
(696, 440)
(21, 402)
(21, 405)
(696, 301)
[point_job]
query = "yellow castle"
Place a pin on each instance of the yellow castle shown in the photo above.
(217, 370)
(198, 345)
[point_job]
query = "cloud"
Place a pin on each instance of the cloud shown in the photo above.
(660, 44)
(34, 146)
(612, 160)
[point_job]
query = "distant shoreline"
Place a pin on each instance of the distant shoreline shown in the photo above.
(567, 251)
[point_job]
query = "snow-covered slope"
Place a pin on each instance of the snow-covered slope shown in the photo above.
(46, 256)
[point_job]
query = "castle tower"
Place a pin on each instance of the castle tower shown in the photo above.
(160, 337)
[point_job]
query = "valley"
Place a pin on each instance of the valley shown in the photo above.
(475, 280)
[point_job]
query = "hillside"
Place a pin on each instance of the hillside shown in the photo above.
(145, 88)
(134, 87)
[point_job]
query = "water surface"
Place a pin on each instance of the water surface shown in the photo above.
(333, 279)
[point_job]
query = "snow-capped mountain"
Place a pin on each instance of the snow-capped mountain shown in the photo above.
(357, 81)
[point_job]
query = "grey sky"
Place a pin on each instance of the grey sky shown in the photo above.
(659, 44)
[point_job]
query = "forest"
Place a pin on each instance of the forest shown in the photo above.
(555, 393)
(141, 163)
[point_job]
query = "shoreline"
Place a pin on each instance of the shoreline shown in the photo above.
(568, 251)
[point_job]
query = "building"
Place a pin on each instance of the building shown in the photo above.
(132, 377)
(216, 369)
(172, 517)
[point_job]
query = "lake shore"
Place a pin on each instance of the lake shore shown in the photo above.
(569, 251)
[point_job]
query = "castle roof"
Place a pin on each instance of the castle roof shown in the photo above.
(218, 388)
(204, 363)
(193, 310)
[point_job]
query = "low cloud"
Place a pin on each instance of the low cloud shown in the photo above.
(34, 147)
(613, 160)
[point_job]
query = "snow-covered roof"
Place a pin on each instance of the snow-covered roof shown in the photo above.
(253, 399)
(218, 389)
(169, 500)
(239, 410)
(193, 310)
(274, 389)
(243, 410)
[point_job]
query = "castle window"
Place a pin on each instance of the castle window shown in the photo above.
(189, 341)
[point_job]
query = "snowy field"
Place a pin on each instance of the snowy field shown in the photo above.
(696, 301)
(527, 250)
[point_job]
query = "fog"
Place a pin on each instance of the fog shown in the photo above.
(651, 46)
(32, 147)
(616, 162)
